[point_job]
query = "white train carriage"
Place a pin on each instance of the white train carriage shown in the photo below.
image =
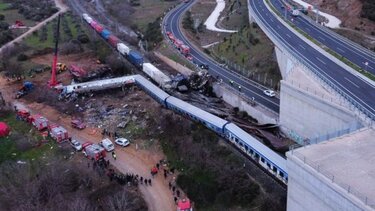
(209, 120)
(267, 158)
(156, 75)
(87, 18)
(156, 93)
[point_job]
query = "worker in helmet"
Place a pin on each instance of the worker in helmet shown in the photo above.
(239, 88)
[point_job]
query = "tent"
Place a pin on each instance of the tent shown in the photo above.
(4, 129)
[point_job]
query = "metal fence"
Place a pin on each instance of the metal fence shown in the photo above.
(351, 190)
(309, 68)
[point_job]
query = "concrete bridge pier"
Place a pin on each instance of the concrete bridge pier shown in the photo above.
(308, 110)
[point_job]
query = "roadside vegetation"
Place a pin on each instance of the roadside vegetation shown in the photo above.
(211, 174)
(248, 52)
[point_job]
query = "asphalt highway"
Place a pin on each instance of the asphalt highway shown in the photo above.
(248, 88)
(359, 90)
(354, 53)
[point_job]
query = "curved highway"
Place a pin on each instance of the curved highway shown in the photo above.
(248, 88)
(360, 91)
(353, 52)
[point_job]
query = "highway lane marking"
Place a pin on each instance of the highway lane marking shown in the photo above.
(278, 27)
(367, 106)
(340, 49)
(320, 60)
(288, 35)
(351, 82)
(322, 38)
(302, 47)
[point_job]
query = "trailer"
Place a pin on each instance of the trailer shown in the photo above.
(93, 151)
(59, 134)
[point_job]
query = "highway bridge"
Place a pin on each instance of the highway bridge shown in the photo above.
(356, 90)
(342, 46)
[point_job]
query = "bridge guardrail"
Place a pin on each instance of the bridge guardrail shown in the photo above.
(296, 58)
(351, 190)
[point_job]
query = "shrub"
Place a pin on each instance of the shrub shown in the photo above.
(22, 57)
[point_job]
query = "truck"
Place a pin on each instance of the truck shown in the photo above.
(25, 89)
(295, 13)
(185, 50)
(93, 151)
(22, 114)
(38, 121)
(59, 134)
(123, 49)
(135, 58)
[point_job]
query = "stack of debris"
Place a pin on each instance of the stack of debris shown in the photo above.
(180, 83)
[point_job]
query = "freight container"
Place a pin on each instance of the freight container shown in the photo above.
(157, 75)
(98, 28)
(135, 58)
(87, 18)
(105, 34)
(123, 49)
(113, 40)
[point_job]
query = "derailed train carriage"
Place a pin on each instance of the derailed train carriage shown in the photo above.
(265, 157)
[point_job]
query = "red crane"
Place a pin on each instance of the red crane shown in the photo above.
(53, 81)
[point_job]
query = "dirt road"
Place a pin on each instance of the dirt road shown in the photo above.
(62, 8)
(129, 160)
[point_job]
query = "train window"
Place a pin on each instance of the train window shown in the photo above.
(256, 155)
(281, 174)
(261, 159)
(274, 169)
(236, 140)
(247, 148)
(269, 166)
(241, 144)
(251, 151)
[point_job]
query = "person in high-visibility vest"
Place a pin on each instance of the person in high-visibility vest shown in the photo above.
(239, 88)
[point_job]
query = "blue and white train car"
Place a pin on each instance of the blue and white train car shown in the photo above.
(154, 91)
(267, 158)
(209, 120)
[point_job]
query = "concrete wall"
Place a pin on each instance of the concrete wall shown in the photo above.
(310, 190)
(262, 115)
(309, 115)
(285, 64)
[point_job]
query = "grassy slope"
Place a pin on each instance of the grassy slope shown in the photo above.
(21, 132)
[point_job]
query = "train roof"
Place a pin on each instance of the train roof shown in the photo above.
(258, 146)
(204, 115)
(151, 87)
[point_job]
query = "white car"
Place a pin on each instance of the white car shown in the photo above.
(122, 142)
(76, 145)
(269, 93)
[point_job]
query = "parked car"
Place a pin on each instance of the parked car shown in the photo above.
(269, 93)
(107, 144)
(122, 142)
(76, 123)
(76, 145)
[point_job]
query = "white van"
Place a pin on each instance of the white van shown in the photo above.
(107, 145)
